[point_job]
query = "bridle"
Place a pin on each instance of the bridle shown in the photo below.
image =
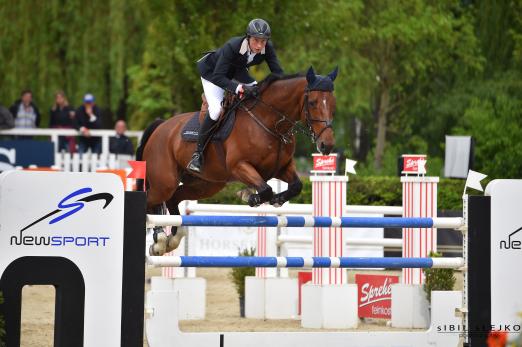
(295, 126)
(310, 120)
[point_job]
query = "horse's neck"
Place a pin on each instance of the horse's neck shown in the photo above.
(286, 96)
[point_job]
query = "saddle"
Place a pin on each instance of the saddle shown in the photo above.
(224, 126)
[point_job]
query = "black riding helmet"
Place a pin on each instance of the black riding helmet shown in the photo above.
(258, 28)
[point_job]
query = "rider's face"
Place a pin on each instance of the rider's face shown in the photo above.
(256, 44)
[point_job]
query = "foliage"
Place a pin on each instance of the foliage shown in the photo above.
(383, 191)
(411, 71)
(238, 274)
(438, 279)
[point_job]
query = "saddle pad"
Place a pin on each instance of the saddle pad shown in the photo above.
(191, 129)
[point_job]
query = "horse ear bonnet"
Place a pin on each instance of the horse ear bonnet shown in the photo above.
(321, 83)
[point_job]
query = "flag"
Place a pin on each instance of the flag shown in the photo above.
(139, 170)
(421, 167)
(349, 167)
(473, 180)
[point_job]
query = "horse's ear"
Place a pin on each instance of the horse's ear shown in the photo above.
(333, 74)
(310, 75)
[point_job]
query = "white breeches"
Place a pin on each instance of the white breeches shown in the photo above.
(214, 95)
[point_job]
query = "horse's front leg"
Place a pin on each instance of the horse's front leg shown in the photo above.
(288, 175)
(247, 174)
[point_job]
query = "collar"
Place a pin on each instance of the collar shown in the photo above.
(245, 49)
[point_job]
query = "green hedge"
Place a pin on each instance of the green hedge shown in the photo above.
(383, 191)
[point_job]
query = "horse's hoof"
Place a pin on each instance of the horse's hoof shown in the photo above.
(254, 200)
(244, 194)
(157, 250)
(174, 240)
(276, 202)
(159, 236)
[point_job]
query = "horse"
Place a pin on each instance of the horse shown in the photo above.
(260, 146)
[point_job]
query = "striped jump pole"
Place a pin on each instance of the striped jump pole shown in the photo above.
(310, 262)
(304, 221)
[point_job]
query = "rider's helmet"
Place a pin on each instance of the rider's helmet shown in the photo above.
(258, 28)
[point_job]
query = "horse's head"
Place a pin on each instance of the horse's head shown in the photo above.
(319, 109)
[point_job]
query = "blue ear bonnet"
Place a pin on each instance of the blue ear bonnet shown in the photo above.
(321, 83)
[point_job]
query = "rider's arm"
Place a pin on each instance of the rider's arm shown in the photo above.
(244, 77)
(219, 77)
(271, 59)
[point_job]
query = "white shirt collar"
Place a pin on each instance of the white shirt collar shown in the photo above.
(246, 49)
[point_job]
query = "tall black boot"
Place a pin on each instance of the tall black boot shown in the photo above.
(205, 130)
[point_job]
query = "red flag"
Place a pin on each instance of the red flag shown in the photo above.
(139, 170)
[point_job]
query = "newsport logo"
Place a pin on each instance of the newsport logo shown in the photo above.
(512, 244)
(66, 208)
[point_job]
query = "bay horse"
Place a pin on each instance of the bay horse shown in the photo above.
(260, 146)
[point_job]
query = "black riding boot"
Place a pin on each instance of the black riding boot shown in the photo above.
(205, 130)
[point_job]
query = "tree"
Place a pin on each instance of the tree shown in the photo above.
(404, 45)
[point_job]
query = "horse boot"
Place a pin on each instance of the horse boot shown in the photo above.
(205, 131)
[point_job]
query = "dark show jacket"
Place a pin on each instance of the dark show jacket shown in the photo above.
(61, 117)
(121, 144)
(230, 62)
(83, 119)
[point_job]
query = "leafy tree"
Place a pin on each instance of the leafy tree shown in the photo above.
(405, 44)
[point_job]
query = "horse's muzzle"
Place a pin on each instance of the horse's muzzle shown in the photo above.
(324, 148)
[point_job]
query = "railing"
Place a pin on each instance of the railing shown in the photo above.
(90, 162)
(105, 134)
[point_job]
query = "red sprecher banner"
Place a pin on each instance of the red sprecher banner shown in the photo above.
(324, 163)
(374, 295)
(410, 163)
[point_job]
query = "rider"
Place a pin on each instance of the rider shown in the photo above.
(227, 69)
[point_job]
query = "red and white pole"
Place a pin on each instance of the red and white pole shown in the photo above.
(419, 199)
(328, 199)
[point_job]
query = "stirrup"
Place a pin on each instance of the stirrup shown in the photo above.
(196, 162)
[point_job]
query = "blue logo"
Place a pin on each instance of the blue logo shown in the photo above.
(71, 207)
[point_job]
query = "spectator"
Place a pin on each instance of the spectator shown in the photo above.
(25, 112)
(121, 144)
(6, 118)
(62, 116)
(89, 117)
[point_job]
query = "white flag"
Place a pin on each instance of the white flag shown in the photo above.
(350, 167)
(421, 166)
(473, 180)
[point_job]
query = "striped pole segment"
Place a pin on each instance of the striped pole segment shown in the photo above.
(311, 262)
(303, 221)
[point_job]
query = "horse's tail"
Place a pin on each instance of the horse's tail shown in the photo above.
(139, 151)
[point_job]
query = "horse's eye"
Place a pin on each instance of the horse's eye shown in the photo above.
(312, 103)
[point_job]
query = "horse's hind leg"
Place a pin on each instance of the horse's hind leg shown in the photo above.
(247, 174)
(157, 196)
(191, 190)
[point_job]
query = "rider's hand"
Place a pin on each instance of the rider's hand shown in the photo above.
(250, 90)
(243, 90)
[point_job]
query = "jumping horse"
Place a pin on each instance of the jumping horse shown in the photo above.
(260, 146)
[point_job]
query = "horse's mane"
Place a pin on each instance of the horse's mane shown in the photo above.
(268, 80)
